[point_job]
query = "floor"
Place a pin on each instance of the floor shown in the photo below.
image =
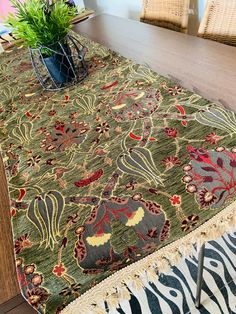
(174, 293)
(16, 305)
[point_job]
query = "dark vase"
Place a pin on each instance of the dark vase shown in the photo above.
(71, 4)
(61, 66)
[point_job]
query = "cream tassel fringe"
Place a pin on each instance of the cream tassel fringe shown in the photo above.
(115, 287)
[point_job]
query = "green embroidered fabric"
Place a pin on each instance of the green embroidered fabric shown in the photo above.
(106, 172)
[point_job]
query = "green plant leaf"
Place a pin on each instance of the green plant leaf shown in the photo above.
(39, 23)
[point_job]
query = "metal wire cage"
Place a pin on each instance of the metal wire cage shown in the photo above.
(60, 64)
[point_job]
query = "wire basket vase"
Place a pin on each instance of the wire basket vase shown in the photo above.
(61, 64)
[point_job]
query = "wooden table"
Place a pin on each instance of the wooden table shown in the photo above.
(86, 14)
(206, 67)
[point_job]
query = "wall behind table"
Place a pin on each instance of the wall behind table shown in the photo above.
(131, 9)
(5, 9)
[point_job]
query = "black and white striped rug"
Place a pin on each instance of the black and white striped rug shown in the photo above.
(174, 293)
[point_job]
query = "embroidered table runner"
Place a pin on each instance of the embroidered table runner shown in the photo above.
(110, 179)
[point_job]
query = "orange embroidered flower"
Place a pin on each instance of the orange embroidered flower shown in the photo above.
(37, 280)
(29, 269)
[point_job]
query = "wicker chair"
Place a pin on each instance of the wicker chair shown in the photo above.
(219, 22)
(171, 14)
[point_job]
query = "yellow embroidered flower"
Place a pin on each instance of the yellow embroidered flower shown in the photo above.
(137, 217)
(99, 239)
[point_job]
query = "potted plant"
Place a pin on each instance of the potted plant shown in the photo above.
(45, 24)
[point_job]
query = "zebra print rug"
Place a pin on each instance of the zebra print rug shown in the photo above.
(174, 292)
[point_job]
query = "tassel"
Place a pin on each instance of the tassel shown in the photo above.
(97, 310)
(152, 275)
(137, 283)
(112, 301)
(124, 293)
(233, 219)
(149, 268)
(173, 257)
(163, 265)
(186, 249)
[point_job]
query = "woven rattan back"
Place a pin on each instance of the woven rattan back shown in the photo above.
(171, 14)
(219, 21)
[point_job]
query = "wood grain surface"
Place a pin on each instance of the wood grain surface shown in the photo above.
(16, 305)
(200, 65)
(8, 281)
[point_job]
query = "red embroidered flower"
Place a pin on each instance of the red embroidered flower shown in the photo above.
(59, 270)
(175, 200)
(171, 161)
(170, 132)
(213, 138)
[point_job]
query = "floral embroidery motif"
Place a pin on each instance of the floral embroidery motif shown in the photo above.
(170, 132)
(171, 161)
(37, 297)
(21, 243)
(59, 270)
(106, 172)
(213, 138)
(212, 175)
(63, 136)
(189, 222)
(175, 200)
